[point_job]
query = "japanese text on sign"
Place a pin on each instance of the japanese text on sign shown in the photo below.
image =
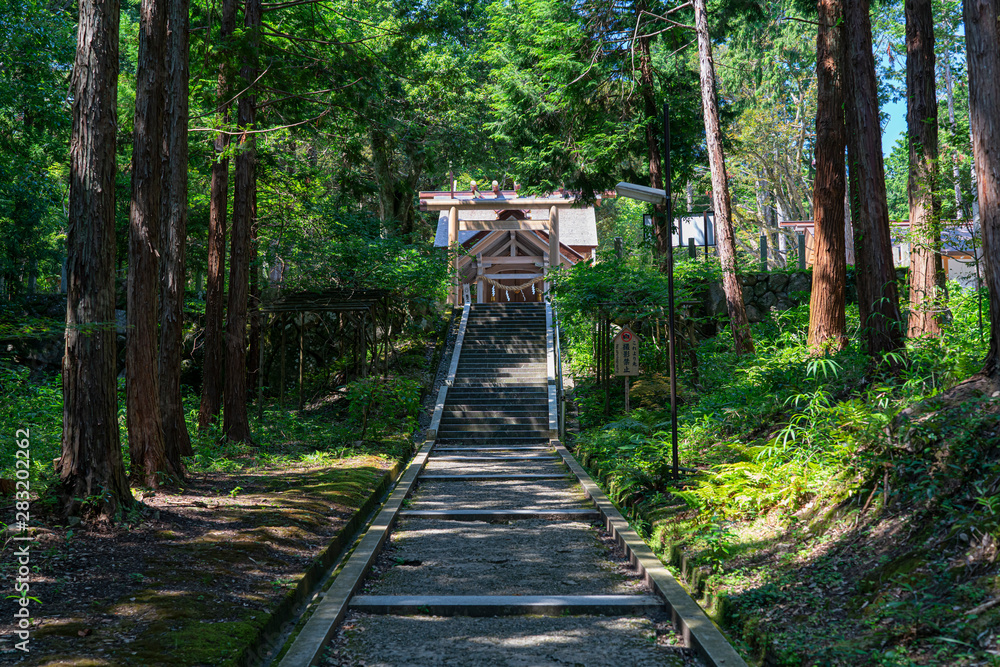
(626, 353)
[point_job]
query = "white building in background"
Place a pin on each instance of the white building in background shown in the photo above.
(956, 252)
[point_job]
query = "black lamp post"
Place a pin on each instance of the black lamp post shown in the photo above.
(656, 196)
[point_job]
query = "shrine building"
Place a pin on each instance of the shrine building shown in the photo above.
(508, 242)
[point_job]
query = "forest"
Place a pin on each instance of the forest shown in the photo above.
(223, 307)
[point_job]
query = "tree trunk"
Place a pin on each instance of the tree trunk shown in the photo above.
(236, 424)
(90, 466)
(878, 295)
(653, 141)
(142, 378)
(253, 359)
(173, 235)
(827, 321)
(950, 93)
(926, 269)
(982, 45)
(211, 388)
(724, 235)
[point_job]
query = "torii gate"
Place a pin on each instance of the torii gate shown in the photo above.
(500, 204)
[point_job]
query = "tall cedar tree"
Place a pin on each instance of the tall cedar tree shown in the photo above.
(725, 236)
(211, 389)
(90, 466)
(827, 321)
(142, 384)
(926, 269)
(648, 92)
(982, 47)
(253, 304)
(236, 424)
(878, 296)
(173, 234)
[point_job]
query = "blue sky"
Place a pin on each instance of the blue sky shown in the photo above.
(895, 127)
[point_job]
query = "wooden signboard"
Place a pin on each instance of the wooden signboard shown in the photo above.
(626, 353)
(466, 294)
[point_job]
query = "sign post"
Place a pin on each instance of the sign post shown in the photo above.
(626, 358)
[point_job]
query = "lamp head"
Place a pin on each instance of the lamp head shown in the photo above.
(641, 192)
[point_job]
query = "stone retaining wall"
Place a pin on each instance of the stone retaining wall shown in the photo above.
(762, 291)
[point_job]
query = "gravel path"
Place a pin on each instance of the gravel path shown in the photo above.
(525, 641)
(545, 557)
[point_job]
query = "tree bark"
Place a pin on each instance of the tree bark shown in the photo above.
(173, 234)
(878, 295)
(647, 90)
(725, 236)
(950, 94)
(90, 466)
(827, 321)
(926, 269)
(982, 45)
(211, 388)
(253, 358)
(236, 424)
(142, 378)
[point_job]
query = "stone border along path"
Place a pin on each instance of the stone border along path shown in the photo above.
(501, 526)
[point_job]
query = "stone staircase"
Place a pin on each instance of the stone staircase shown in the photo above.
(500, 393)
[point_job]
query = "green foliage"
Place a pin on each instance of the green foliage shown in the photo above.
(782, 429)
(34, 131)
(379, 406)
(36, 406)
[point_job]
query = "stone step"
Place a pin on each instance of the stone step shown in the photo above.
(496, 448)
(503, 515)
(502, 378)
(492, 439)
(500, 363)
(489, 457)
(480, 369)
(467, 396)
(449, 430)
(503, 360)
(505, 605)
(487, 403)
(431, 477)
(521, 420)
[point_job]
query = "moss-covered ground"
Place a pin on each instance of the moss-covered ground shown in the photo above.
(193, 574)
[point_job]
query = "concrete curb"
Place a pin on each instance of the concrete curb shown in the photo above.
(272, 634)
(308, 646)
(698, 630)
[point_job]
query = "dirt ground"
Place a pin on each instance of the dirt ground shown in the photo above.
(193, 582)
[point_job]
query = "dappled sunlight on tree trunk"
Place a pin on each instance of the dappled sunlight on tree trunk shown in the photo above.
(827, 320)
(926, 269)
(878, 295)
(173, 235)
(742, 339)
(211, 391)
(147, 452)
(236, 423)
(983, 56)
(90, 466)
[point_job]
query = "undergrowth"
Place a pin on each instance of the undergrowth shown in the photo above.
(796, 461)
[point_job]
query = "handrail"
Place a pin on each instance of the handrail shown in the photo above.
(560, 392)
(450, 379)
